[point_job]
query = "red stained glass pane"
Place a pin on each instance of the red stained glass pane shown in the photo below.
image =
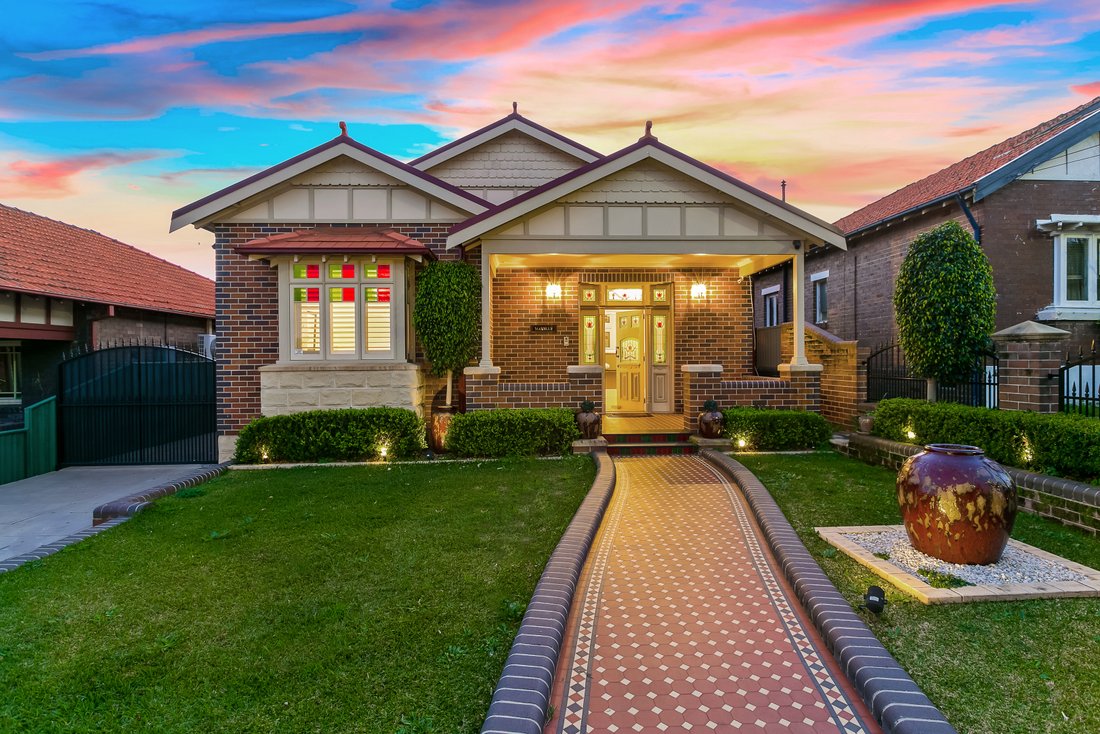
(384, 272)
(348, 271)
(384, 293)
(313, 271)
(349, 294)
(313, 295)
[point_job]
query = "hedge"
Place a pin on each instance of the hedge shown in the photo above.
(351, 434)
(775, 430)
(513, 432)
(1052, 443)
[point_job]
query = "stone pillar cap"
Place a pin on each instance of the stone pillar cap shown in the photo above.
(1031, 331)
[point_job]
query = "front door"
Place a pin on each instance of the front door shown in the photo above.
(630, 352)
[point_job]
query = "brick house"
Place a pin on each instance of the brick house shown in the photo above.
(62, 285)
(1032, 201)
(624, 279)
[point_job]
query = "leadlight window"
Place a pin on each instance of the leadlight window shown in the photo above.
(342, 310)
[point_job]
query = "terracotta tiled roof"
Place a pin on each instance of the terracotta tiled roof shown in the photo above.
(962, 176)
(46, 257)
(336, 239)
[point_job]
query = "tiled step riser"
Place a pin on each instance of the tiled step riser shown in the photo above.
(643, 450)
(646, 438)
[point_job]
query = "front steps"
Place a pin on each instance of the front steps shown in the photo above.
(653, 443)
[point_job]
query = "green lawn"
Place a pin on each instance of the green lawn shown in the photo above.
(995, 667)
(366, 599)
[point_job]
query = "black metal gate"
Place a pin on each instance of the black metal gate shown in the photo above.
(888, 376)
(1079, 384)
(137, 405)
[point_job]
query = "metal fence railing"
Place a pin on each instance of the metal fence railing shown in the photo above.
(1079, 386)
(888, 376)
(32, 449)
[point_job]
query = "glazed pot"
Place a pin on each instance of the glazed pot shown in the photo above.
(866, 423)
(711, 423)
(589, 423)
(957, 505)
(441, 421)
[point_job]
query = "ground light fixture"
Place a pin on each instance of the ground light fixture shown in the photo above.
(875, 600)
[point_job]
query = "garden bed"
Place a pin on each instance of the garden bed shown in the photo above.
(373, 599)
(965, 657)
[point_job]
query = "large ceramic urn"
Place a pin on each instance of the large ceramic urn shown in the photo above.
(957, 505)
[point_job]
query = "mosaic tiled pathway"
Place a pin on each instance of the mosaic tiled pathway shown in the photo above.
(681, 621)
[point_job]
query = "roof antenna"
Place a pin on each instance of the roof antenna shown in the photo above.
(783, 188)
(515, 108)
(343, 128)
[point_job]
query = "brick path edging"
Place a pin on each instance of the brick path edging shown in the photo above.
(110, 514)
(896, 701)
(522, 695)
(132, 504)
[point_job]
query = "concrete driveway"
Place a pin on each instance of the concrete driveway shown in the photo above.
(49, 507)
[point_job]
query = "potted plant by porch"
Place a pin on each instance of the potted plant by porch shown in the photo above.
(588, 420)
(711, 420)
(446, 317)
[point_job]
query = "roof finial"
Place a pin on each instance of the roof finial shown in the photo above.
(649, 128)
(343, 128)
(515, 108)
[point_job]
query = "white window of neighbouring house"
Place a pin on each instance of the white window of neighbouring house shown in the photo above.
(344, 310)
(771, 305)
(820, 283)
(1080, 275)
(9, 372)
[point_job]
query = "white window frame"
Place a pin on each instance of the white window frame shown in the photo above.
(1061, 261)
(820, 279)
(770, 296)
(398, 316)
(11, 350)
(1061, 227)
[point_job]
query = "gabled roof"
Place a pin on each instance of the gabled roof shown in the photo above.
(340, 145)
(513, 122)
(45, 257)
(336, 240)
(982, 173)
(647, 147)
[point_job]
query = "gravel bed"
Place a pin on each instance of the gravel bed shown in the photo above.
(1015, 567)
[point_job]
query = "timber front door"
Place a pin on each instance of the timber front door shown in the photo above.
(631, 355)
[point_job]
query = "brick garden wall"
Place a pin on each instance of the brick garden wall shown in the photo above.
(844, 379)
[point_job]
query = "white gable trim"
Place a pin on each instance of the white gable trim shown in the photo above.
(430, 161)
(234, 196)
(813, 229)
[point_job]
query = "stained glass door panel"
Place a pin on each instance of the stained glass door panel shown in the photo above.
(631, 361)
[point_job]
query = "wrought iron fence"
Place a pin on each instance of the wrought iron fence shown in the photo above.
(888, 376)
(1079, 384)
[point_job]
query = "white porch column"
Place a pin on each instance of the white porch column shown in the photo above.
(798, 304)
(486, 310)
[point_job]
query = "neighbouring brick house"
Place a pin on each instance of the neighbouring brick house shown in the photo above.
(1033, 202)
(62, 286)
(624, 279)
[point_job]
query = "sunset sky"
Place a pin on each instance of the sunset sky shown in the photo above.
(112, 114)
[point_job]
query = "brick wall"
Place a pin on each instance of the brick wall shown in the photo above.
(844, 379)
(248, 312)
(717, 330)
(139, 325)
(486, 390)
(795, 391)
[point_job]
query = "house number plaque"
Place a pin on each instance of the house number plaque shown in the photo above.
(544, 328)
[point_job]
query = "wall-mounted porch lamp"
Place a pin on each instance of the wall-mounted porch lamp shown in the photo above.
(698, 291)
(553, 291)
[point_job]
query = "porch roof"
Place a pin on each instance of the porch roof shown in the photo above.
(322, 240)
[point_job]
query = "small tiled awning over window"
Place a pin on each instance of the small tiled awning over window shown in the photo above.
(332, 240)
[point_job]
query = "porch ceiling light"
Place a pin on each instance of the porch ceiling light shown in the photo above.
(699, 291)
(553, 291)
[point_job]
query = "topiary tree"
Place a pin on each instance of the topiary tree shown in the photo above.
(945, 304)
(447, 317)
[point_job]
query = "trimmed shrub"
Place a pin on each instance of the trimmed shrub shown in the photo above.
(1057, 443)
(351, 434)
(513, 432)
(775, 430)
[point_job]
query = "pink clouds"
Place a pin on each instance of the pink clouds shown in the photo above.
(55, 178)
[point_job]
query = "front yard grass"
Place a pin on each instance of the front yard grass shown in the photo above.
(359, 599)
(992, 667)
